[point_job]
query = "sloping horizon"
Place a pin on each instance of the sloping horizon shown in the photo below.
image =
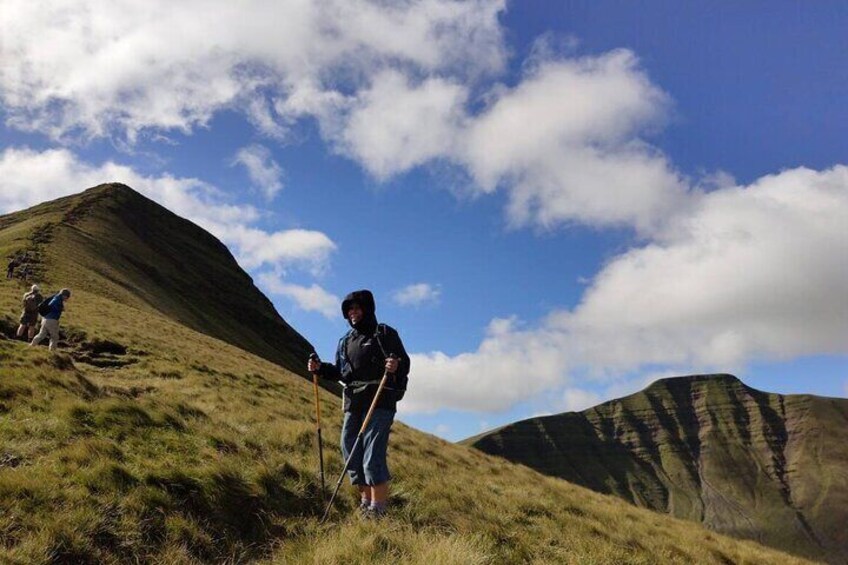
(554, 205)
(144, 440)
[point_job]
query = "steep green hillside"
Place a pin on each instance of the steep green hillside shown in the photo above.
(114, 242)
(146, 441)
(706, 448)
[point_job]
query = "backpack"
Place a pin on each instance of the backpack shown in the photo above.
(44, 305)
(396, 385)
(30, 302)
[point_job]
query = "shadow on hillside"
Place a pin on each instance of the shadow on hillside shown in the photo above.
(8, 327)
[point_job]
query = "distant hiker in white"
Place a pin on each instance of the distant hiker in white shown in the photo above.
(51, 312)
(364, 353)
(29, 317)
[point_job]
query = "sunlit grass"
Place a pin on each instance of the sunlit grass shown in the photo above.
(191, 450)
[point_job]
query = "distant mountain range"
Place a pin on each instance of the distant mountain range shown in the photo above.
(706, 448)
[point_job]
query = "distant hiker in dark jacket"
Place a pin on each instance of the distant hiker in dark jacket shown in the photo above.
(29, 317)
(365, 352)
(10, 268)
(50, 320)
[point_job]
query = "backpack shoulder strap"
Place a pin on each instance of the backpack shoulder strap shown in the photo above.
(342, 351)
(381, 331)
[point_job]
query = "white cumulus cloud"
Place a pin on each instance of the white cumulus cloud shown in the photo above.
(99, 68)
(28, 177)
(566, 145)
(442, 430)
(752, 272)
(393, 85)
(311, 299)
(308, 249)
(395, 125)
(509, 366)
(263, 171)
(747, 273)
(578, 399)
(417, 294)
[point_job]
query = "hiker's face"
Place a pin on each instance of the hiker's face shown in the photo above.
(354, 313)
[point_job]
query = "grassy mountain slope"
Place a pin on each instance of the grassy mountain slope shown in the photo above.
(147, 441)
(706, 448)
(115, 242)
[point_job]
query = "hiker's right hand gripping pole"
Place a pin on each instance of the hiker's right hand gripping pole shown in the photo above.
(314, 357)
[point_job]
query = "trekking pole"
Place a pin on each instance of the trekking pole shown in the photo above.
(314, 356)
(356, 444)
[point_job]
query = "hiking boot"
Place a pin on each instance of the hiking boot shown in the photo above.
(374, 513)
(364, 506)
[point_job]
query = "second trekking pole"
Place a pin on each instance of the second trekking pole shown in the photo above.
(314, 357)
(356, 444)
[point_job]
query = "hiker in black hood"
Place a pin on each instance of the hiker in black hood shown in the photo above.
(364, 353)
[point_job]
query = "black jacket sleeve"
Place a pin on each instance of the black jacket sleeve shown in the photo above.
(394, 346)
(333, 371)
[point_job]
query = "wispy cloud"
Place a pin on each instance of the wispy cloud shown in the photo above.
(307, 249)
(577, 399)
(263, 171)
(417, 294)
(442, 430)
(311, 299)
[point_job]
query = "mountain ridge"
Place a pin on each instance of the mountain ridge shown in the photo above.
(143, 440)
(707, 448)
(99, 226)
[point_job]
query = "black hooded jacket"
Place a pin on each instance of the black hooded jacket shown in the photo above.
(361, 358)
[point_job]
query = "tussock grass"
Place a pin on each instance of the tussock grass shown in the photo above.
(220, 466)
(200, 452)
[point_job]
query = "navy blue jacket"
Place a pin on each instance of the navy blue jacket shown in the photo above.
(57, 306)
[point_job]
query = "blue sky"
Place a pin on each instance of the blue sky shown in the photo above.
(554, 203)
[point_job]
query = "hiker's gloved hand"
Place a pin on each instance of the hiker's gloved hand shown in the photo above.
(391, 364)
(313, 365)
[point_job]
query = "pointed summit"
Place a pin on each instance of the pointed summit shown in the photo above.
(111, 240)
(111, 188)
